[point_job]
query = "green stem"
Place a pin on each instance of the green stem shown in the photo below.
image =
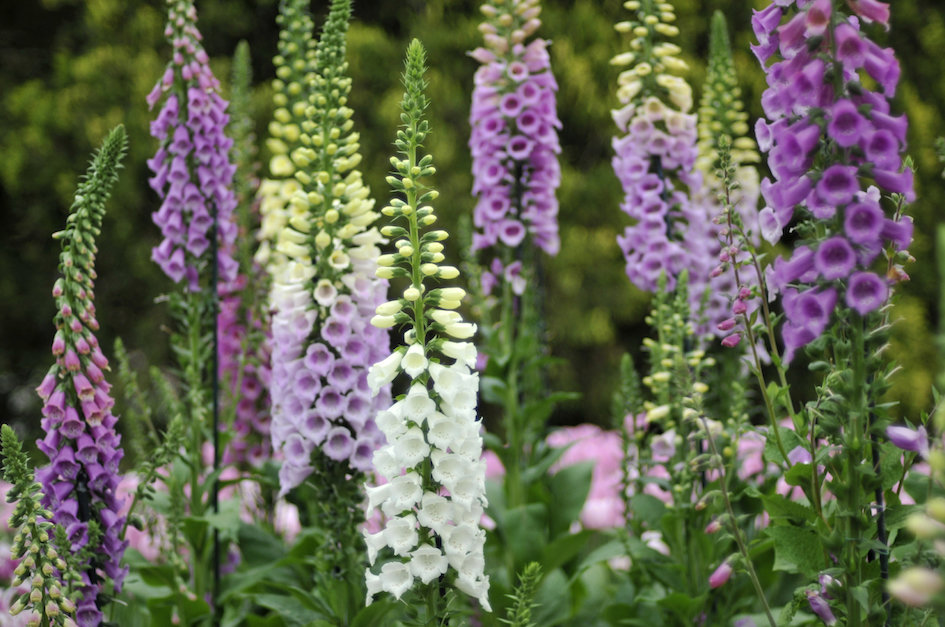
(734, 528)
(854, 447)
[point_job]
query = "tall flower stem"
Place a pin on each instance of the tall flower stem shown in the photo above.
(733, 524)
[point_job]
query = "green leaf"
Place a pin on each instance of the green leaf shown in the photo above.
(526, 531)
(789, 438)
(292, 610)
(798, 475)
(647, 509)
(897, 515)
(553, 600)
(563, 548)
(537, 472)
(797, 550)
(493, 390)
(195, 530)
(779, 507)
(373, 614)
(684, 607)
(227, 520)
(607, 551)
(259, 547)
(569, 489)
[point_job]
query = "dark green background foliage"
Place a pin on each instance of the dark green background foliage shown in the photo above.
(70, 70)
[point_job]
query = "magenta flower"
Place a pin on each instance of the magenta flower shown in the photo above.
(866, 292)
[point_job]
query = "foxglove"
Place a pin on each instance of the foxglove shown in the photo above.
(434, 493)
(241, 321)
(324, 292)
(722, 121)
(655, 159)
(80, 482)
(37, 594)
(835, 152)
(192, 171)
(514, 139)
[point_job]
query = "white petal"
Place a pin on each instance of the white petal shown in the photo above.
(427, 563)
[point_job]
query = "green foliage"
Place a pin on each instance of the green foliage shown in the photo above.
(520, 613)
(40, 567)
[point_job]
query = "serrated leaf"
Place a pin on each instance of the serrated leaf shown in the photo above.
(779, 507)
(797, 550)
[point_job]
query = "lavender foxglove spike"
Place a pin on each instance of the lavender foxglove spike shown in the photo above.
(193, 174)
(514, 139)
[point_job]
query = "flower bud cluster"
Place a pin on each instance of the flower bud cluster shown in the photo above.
(730, 187)
(835, 152)
(80, 440)
(514, 140)
(295, 78)
(192, 170)
(36, 594)
(655, 157)
(433, 493)
(325, 292)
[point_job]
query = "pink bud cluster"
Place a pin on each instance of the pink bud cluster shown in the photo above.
(817, 104)
(192, 170)
(514, 140)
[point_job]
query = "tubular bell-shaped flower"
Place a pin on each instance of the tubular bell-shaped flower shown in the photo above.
(722, 115)
(80, 482)
(835, 153)
(435, 490)
(514, 138)
(326, 290)
(192, 171)
(655, 158)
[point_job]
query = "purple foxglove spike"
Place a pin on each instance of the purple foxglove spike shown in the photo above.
(854, 137)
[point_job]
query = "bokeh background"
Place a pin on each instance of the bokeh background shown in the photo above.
(71, 69)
